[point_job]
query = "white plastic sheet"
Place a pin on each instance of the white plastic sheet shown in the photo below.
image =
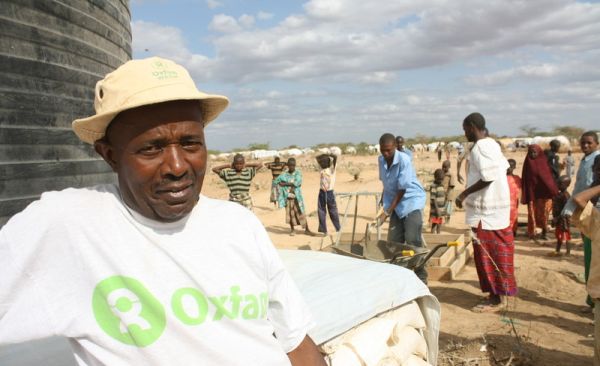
(343, 292)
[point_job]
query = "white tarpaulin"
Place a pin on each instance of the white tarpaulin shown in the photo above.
(343, 292)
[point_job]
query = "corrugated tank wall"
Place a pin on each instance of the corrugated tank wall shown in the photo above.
(51, 55)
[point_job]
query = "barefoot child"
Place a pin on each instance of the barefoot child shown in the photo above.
(448, 184)
(514, 185)
(561, 223)
(437, 199)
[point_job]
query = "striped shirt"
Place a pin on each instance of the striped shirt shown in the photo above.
(238, 183)
(437, 193)
(276, 169)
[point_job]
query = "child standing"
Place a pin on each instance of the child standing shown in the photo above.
(561, 223)
(448, 184)
(291, 197)
(437, 199)
(514, 184)
(326, 200)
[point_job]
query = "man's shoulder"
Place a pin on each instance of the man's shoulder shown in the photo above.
(79, 196)
(228, 210)
(67, 204)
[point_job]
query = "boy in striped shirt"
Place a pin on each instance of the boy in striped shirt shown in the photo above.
(238, 176)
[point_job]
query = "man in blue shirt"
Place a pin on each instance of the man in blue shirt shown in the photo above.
(403, 195)
(400, 146)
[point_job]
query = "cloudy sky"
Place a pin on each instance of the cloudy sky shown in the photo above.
(307, 72)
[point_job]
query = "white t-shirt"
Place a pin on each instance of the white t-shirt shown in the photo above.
(491, 205)
(328, 179)
(209, 289)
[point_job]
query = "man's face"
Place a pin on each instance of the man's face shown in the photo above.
(469, 132)
(400, 143)
(588, 145)
(159, 154)
(388, 150)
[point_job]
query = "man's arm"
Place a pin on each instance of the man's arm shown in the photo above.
(581, 199)
(306, 354)
(479, 185)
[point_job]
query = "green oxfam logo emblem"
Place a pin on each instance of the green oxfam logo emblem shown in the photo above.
(127, 311)
(162, 72)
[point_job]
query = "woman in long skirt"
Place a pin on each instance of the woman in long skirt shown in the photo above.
(539, 188)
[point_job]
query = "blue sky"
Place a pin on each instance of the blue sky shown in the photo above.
(307, 72)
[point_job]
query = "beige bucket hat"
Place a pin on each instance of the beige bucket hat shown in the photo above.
(142, 82)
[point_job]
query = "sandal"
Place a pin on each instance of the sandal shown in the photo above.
(487, 308)
(292, 233)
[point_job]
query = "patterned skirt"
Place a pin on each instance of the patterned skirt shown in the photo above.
(243, 199)
(538, 212)
(494, 254)
(274, 192)
(293, 214)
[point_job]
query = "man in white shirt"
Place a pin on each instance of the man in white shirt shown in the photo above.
(487, 210)
(149, 272)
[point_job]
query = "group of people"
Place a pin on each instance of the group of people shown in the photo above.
(544, 190)
(150, 271)
(286, 189)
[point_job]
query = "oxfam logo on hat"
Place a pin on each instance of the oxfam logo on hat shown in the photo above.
(127, 311)
(161, 71)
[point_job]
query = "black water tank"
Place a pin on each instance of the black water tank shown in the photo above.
(51, 55)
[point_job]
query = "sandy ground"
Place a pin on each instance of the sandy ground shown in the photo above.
(544, 325)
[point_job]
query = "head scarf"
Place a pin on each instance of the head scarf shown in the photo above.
(537, 180)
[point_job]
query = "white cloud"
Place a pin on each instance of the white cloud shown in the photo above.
(212, 4)
(224, 24)
(377, 77)
(420, 64)
(263, 15)
(155, 39)
(353, 37)
(246, 21)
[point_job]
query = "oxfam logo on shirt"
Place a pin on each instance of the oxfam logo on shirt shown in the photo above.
(127, 311)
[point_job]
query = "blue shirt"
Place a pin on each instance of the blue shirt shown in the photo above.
(408, 152)
(585, 177)
(401, 176)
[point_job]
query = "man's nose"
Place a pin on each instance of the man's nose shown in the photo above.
(174, 163)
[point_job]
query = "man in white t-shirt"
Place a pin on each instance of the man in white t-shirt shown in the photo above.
(487, 211)
(149, 272)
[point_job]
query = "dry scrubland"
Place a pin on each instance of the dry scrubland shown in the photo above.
(544, 324)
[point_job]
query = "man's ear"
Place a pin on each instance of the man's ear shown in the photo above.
(105, 149)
